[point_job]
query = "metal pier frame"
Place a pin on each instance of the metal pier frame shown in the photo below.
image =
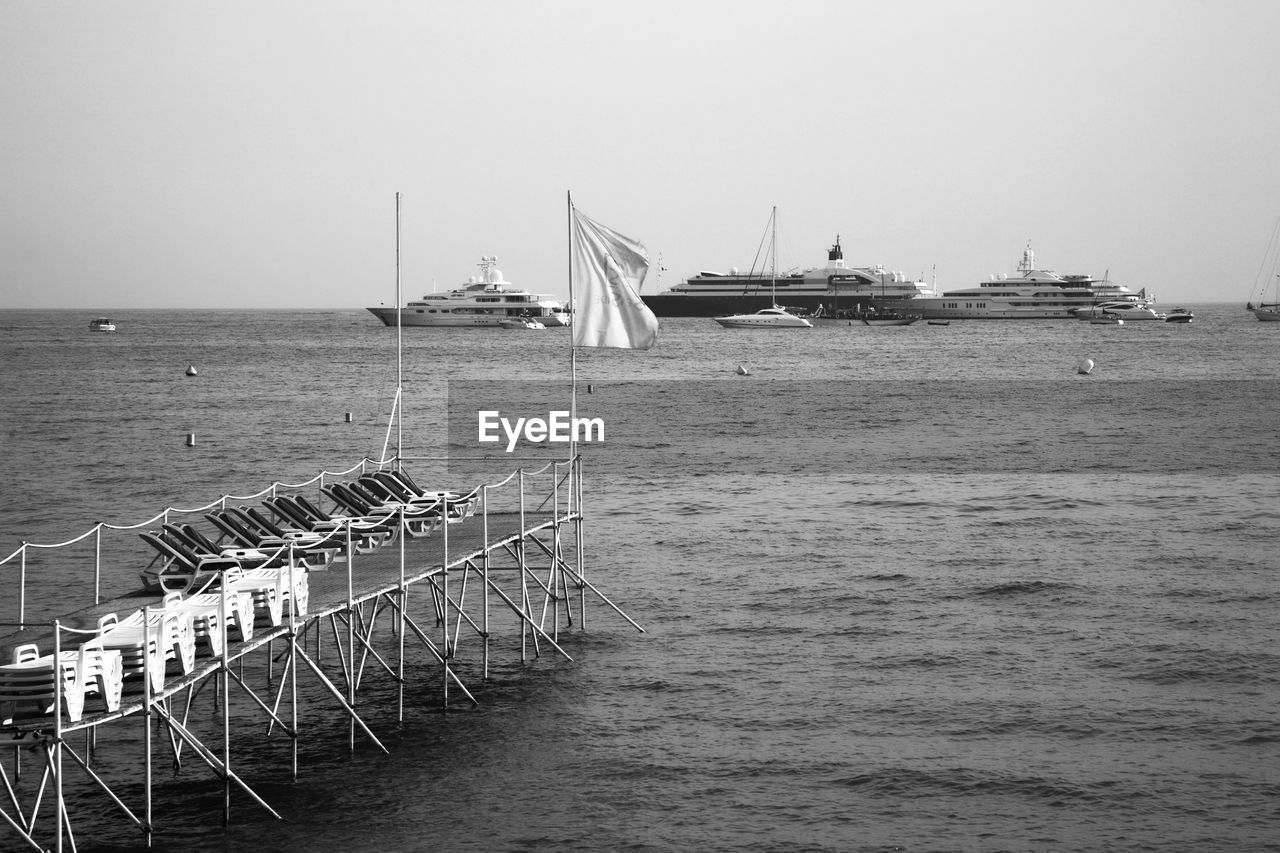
(524, 564)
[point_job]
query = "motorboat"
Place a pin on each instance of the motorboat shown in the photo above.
(1106, 319)
(520, 323)
(765, 318)
(773, 317)
(1179, 315)
(484, 300)
(888, 318)
(1124, 309)
(102, 324)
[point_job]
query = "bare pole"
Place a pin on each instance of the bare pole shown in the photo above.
(399, 413)
(575, 467)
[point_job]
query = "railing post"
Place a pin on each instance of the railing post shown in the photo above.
(22, 588)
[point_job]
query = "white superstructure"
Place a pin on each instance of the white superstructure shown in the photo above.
(485, 300)
(1031, 294)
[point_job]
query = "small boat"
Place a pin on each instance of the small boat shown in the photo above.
(1106, 319)
(102, 324)
(888, 318)
(774, 317)
(765, 318)
(939, 322)
(1127, 309)
(1268, 279)
(520, 323)
(1179, 315)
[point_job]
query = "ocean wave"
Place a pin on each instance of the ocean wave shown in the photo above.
(1021, 587)
(905, 782)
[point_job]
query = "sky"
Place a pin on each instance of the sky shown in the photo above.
(234, 154)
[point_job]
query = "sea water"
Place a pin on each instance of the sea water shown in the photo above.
(921, 588)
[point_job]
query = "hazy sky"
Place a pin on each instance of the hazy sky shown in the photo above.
(247, 154)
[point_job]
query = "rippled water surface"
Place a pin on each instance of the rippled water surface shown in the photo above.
(920, 588)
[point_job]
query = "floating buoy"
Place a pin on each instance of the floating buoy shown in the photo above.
(191, 439)
(1085, 367)
(191, 370)
(590, 389)
(742, 370)
(348, 417)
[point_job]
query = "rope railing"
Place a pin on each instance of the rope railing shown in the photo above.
(519, 476)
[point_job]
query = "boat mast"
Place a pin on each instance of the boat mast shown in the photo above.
(773, 266)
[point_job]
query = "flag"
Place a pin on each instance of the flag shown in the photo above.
(607, 269)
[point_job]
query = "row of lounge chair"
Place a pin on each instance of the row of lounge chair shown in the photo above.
(255, 567)
(146, 643)
(292, 529)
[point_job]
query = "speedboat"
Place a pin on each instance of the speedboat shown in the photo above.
(1179, 315)
(765, 318)
(888, 318)
(1124, 309)
(520, 323)
(102, 324)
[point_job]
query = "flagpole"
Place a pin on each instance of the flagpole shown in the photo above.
(399, 352)
(573, 349)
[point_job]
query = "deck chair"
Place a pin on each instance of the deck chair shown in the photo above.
(270, 591)
(168, 636)
(240, 614)
(397, 486)
(181, 569)
(372, 533)
(419, 521)
(29, 685)
(238, 526)
(319, 547)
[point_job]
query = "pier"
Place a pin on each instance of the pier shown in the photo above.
(193, 680)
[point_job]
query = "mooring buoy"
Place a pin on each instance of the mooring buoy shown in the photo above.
(1085, 367)
(191, 370)
(191, 439)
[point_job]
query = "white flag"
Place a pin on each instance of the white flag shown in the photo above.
(607, 270)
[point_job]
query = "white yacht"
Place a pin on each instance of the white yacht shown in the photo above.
(485, 300)
(1135, 309)
(102, 324)
(765, 318)
(1031, 294)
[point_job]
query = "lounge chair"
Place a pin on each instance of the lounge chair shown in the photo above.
(270, 590)
(29, 685)
(320, 547)
(167, 636)
(366, 536)
(181, 569)
(419, 521)
(240, 528)
(397, 486)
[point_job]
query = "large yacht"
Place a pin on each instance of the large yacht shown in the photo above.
(833, 287)
(484, 300)
(1031, 294)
